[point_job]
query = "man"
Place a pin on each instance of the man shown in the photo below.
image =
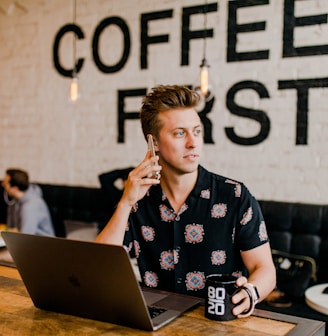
(27, 211)
(190, 223)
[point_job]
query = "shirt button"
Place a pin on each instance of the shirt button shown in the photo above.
(177, 218)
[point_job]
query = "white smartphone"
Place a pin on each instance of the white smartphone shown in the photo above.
(151, 148)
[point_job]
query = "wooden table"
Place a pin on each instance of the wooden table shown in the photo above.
(18, 316)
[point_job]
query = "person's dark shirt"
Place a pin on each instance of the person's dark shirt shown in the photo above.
(176, 251)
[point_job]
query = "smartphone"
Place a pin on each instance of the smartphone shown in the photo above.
(151, 148)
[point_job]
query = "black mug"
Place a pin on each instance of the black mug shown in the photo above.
(219, 290)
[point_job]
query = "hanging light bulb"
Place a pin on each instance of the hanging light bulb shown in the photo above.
(203, 86)
(74, 88)
(204, 83)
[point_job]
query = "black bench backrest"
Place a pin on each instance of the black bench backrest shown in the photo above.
(299, 229)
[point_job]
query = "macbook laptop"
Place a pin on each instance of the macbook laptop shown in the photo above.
(90, 280)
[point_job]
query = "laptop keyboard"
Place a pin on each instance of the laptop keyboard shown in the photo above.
(155, 311)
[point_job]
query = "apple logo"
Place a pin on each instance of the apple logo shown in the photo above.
(73, 279)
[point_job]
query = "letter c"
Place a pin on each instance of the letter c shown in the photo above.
(65, 29)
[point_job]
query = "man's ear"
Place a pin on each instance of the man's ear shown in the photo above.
(155, 144)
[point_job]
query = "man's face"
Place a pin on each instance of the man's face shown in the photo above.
(180, 140)
(6, 185)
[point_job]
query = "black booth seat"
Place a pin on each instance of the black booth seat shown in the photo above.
(83, 204)
(299, 229)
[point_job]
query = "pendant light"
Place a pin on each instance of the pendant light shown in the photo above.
(203, 87)
(74, 85)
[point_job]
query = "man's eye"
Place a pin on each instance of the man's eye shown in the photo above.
(198, 132)
(180, 133)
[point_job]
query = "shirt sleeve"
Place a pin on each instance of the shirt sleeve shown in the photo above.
(128, 242)
(251, 227)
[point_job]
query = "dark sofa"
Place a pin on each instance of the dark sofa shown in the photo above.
(300, 229)
(293, 227)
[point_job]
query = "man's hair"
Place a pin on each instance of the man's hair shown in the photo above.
(18, 178)
(163, 98)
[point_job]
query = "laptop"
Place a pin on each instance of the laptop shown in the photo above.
(91, 280)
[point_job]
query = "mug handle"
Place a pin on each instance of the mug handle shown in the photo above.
(251, 299)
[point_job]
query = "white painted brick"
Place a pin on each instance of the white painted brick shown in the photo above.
(57, 142)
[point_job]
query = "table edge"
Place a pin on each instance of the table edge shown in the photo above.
(304, 326)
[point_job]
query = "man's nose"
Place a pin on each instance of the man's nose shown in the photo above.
(191, 140)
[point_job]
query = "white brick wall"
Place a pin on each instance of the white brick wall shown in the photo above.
(57, 142)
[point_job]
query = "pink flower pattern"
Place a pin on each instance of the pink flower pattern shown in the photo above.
(151, 279)
(176, 256)
(136, 248)
(148, 233)
(134, 207)
(237, 187)
(195, 281)
(167, 260)
(247, 216)
(167, 215)
(218, 257)
(194, 233)
(206, 194)
(219, 210)
(263, 234)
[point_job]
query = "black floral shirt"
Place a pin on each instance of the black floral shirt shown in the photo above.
(176, 251)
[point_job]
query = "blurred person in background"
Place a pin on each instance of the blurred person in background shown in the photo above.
(27, 212)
